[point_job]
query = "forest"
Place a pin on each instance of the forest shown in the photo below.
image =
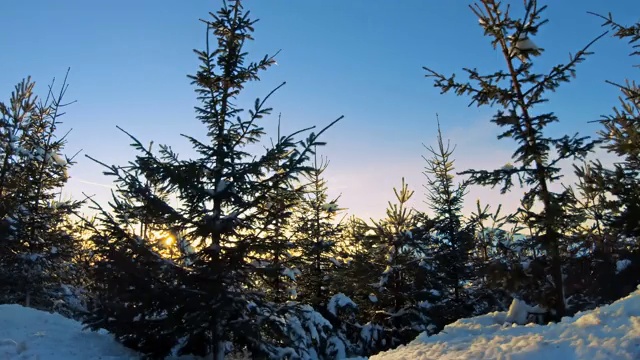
(239, 253)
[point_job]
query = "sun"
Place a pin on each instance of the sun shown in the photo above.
(164, 238)
(168, 239)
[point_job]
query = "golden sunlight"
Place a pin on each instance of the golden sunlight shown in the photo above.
(162, 238)
(168, 239)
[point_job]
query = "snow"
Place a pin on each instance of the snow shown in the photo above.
(27, 333)
(330, 207)
(519, 312)
(522, 45)
(337, 301)
(507, 166)
(59, 159)
(222, 185)
(425, 304)
(621, 265)
(335, 261)
(31, 334)
(185, 246)
(291, 273)
(608, 332)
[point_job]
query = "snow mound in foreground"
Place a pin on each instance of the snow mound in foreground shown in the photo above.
(610, 332)
(31, 334)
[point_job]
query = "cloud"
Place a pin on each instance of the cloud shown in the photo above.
(91, 183)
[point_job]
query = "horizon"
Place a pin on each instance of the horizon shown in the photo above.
(130, 69)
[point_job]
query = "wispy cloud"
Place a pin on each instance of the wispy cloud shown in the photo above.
(87, 182)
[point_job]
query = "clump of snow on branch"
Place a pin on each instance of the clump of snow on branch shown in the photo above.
(622, 265)
(339, 301)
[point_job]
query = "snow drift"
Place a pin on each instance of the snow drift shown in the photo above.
(31, 334)
(610, 332)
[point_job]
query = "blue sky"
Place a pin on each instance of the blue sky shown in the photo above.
(359, 58)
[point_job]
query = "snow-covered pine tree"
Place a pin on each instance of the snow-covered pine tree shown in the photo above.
(319, 258)
(353, 301)
(488, 232)
(316, 236)
(278, 267)
(493, 258)
(616, 211)
(36, 250)
(403, 288)
(454, 240)
(275, 258)
(591, 265)
(517, 91)
(354, 276)
(213, 303)
(621, 136)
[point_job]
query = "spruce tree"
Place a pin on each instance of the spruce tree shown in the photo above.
(621, 136)
(214, 303)
(593, 262)
(316, 237)
(453, 239)
(317, 234)
(36, 249)
(354, 300)
(612, 193)
(403, 291)
(492, 259)
(275, 258)
(517, 91)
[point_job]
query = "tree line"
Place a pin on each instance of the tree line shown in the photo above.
(239, 253)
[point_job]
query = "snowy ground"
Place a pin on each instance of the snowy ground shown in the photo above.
(611, 332)
(31, 334)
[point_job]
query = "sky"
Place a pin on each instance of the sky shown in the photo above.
(362, 59)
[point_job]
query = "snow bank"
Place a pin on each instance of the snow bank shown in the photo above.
(31, 334)
(610, 332)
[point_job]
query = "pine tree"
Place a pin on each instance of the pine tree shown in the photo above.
(277, 261)
(36, 248)
(621, 136)
(454, 240)
(316, 237)
(517, 92)
(213, 303)
(403, 292)
(492, 259)
(592, 262)
(612, 193)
